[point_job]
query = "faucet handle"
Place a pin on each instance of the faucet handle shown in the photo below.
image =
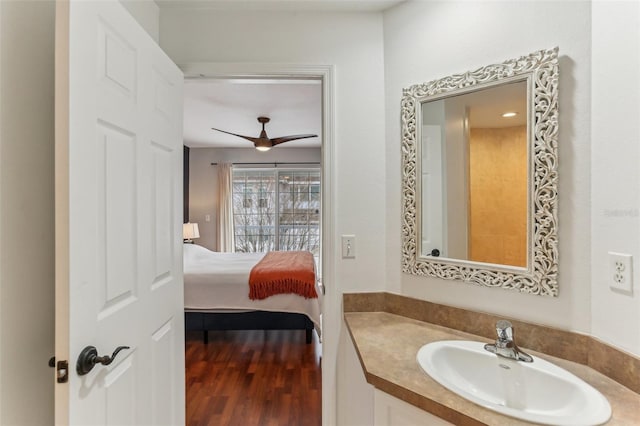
(505, 346)
(504, 329)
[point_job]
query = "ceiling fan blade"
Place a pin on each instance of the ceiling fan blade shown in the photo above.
(249, 138)
(284, 139)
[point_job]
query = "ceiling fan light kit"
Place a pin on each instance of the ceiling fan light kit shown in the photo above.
(263, 142)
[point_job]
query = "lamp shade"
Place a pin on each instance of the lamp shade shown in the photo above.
(190, 231)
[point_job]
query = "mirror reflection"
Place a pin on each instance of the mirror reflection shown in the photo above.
(474, 176)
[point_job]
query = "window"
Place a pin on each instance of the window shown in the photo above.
(276, 210)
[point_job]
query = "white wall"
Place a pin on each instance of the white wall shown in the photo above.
(352, 42)
(1, 139)
(430, 40)
(203, 180)
(26, 212)
(615, 150)
(147, 13)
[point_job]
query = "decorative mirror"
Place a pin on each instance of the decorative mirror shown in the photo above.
(479, 175)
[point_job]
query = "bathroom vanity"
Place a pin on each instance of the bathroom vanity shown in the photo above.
(387, 331)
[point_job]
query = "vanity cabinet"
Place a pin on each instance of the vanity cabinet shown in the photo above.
(391, 411)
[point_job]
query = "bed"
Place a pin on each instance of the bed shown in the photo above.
(216, 297)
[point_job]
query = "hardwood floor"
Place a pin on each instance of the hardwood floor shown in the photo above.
(253, 378)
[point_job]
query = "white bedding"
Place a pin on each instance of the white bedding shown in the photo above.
(220, 281)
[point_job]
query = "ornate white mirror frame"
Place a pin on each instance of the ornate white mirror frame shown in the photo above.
(539, 277)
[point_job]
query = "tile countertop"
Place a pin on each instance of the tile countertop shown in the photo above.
(387, 345)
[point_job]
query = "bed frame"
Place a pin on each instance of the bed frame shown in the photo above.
(253, 320)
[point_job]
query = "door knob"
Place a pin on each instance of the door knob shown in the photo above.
(89, 358)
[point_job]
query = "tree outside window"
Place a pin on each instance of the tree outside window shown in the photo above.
(276, 210)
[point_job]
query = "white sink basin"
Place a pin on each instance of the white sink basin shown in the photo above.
(538, 392)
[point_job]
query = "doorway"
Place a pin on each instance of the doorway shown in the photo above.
(270, 345)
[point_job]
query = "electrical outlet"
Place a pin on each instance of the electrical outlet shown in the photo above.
(348, 246)
(620, 272)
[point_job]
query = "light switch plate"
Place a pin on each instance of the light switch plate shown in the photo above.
(620, 274)
(348, 246)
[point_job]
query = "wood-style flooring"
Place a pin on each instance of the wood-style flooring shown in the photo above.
(253, 378)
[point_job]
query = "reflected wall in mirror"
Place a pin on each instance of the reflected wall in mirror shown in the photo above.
(480, 175)
(473, 182)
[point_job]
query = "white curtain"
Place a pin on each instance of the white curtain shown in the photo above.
(225, 207)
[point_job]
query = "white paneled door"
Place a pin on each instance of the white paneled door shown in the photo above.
(118, 220)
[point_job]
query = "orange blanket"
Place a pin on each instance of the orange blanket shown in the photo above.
(283, 272)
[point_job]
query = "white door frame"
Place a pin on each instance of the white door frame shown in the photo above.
(331, 307)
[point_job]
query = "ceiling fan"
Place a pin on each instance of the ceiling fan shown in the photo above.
(263, 142)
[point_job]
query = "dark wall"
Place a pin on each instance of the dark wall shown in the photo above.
(185, 183)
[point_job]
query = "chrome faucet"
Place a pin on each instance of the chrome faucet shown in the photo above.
(505, 345)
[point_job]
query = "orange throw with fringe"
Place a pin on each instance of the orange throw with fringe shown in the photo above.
(283, 272)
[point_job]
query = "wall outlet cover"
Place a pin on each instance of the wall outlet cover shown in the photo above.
(620, 272)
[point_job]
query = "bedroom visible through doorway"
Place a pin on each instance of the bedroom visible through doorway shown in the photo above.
(257, 359)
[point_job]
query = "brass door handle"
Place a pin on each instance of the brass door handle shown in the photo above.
(88, 358)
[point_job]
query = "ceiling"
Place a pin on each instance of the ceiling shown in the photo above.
(487, 106)
(294, 107)
(290, 5)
